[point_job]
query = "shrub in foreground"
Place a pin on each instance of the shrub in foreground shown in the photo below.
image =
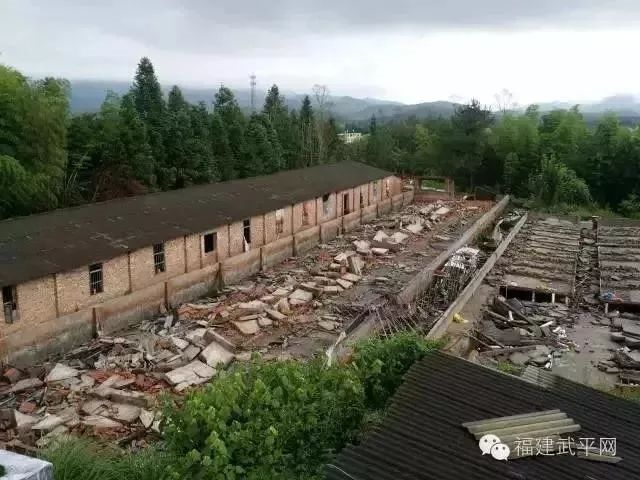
(259, 420)
(382, 363)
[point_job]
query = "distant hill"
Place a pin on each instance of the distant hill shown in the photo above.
(88, 95)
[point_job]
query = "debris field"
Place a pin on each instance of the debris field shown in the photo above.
(109, 387)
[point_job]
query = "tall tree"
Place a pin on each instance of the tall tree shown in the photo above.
(33, 142)
(308, 152)
(149, 103)
(226, 106)
(223, 160)
(469, 138)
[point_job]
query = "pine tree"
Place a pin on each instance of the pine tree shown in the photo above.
(258, 153)
(151, 108)
(223, 159)
(138, 158)
(274, 107)
(200, 145)
(227, 107)
(307, 136)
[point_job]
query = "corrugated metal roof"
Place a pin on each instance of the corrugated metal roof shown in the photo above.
(39, 245)
(422, 435)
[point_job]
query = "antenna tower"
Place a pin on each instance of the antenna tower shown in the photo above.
(253, 91)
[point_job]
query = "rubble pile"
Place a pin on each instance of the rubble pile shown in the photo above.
(625, 361)
(109, 386)
(525, 333)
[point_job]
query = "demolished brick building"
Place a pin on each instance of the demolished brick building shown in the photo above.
(100, 267)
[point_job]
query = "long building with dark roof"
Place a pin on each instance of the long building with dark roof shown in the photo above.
(68, 272)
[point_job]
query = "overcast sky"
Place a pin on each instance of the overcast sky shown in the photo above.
(405, 50)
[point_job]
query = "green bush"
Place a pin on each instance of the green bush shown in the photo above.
(259, 420)
(382, 362)
(265, 420)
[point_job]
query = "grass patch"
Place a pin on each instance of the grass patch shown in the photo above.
(79, 458)
(509, 368)
(632, 394)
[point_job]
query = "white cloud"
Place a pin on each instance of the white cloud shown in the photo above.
(405, 50)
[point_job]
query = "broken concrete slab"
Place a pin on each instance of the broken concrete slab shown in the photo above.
(281, 292)
(216, 354)
(311, 287)
(254, 306)
(275, 315)
(213, 336)
(380, 236)
(94, 406)
(22, 421)
(100, 422)
(327, 325)
(61, 372)
(26, 384)
(350, 277)
(355, 264)
(49, 422)
(249, 327)
(379, 251)
(191, 352)
(332, 290)
(362, 245)
(344, 283)
(125, 413)
(300, 297)
(146, 418)
(194, 373)
(398, 237)
(265, 322)
(129, 397)
(283, 306)
(617, 337)
(342, 257)
(179, 343)
(415, 228)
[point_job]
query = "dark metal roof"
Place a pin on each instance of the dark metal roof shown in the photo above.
(39, 245)
(422, 435)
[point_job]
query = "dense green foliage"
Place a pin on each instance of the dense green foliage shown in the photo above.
(554, 158)
(260, 420)
(286, 419)
(143, 141)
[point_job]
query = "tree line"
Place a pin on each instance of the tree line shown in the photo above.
(553, 159)
(144, 141)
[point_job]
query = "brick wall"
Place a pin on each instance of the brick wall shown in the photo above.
(340, 201)
(73, 286)
(375, 192)
(298, 214)
(331, 214)
(271, 233)
(36, 304)
(142, 264)
(135, 272)
(193, 246)
(236, 239)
